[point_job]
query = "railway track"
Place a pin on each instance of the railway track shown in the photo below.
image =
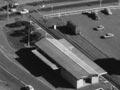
(113, 82)
(92, 54)
(84, 46)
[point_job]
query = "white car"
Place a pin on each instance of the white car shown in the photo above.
(24, 11)
(30, 87)
(16, 4)
(100, 27)
(42, 6)
(108, 35)
(87, 11)
(108, 11)
(12, 10)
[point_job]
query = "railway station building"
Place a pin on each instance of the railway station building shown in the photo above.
(77, 69)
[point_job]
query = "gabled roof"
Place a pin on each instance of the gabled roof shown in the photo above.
(97, 69)
(72, 60)
(63, 60)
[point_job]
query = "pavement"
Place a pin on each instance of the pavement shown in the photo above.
(18, 73)
(7, 82)
(111, 23)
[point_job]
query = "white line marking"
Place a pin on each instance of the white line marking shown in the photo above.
(78, 11)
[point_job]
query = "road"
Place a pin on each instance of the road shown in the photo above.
(22, 75)
(70, 7)
(9, 81)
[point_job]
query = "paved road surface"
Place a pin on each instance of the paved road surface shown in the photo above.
(8, 82)
(21, 74)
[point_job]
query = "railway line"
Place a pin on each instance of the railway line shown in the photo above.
(92, 53)
(85, 46)
(88, 49)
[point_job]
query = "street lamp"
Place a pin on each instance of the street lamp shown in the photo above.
(7, 11)
(100, 3)
(29, 33)
(52, 8)
(119, 2)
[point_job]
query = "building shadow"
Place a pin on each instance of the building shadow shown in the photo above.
(38, 68)
(18, 24)
(90, 15)
(111, 65)
(69, 28)
(33, 64)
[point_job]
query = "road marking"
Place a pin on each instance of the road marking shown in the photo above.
(79, 11)
(8, 56)
(6, 70)
(26, 72)
(12, 75)
(68, 3)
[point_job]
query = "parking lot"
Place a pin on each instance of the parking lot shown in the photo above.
(110, 46)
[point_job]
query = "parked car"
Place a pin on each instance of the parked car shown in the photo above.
(99, 28)
(27, 87)
(24, 11)
(107, 11)
(13, 5)
(108, 35)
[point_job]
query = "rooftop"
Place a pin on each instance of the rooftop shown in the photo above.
(83, 67)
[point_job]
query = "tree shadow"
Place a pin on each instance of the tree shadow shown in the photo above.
(91, 15)
(18, 33)
(69, 28)
(31, 62)
(18, 24)
(4, 8)
(111, 65)
(38, 68)
(36, 36)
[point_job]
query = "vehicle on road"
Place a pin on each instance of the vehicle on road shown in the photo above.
(27, 87)
(14, 10)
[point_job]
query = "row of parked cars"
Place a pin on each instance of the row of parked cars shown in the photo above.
(94, 15)
(12, 8)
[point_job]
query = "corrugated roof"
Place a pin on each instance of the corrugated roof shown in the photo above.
(62, 59)
(84, 58)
